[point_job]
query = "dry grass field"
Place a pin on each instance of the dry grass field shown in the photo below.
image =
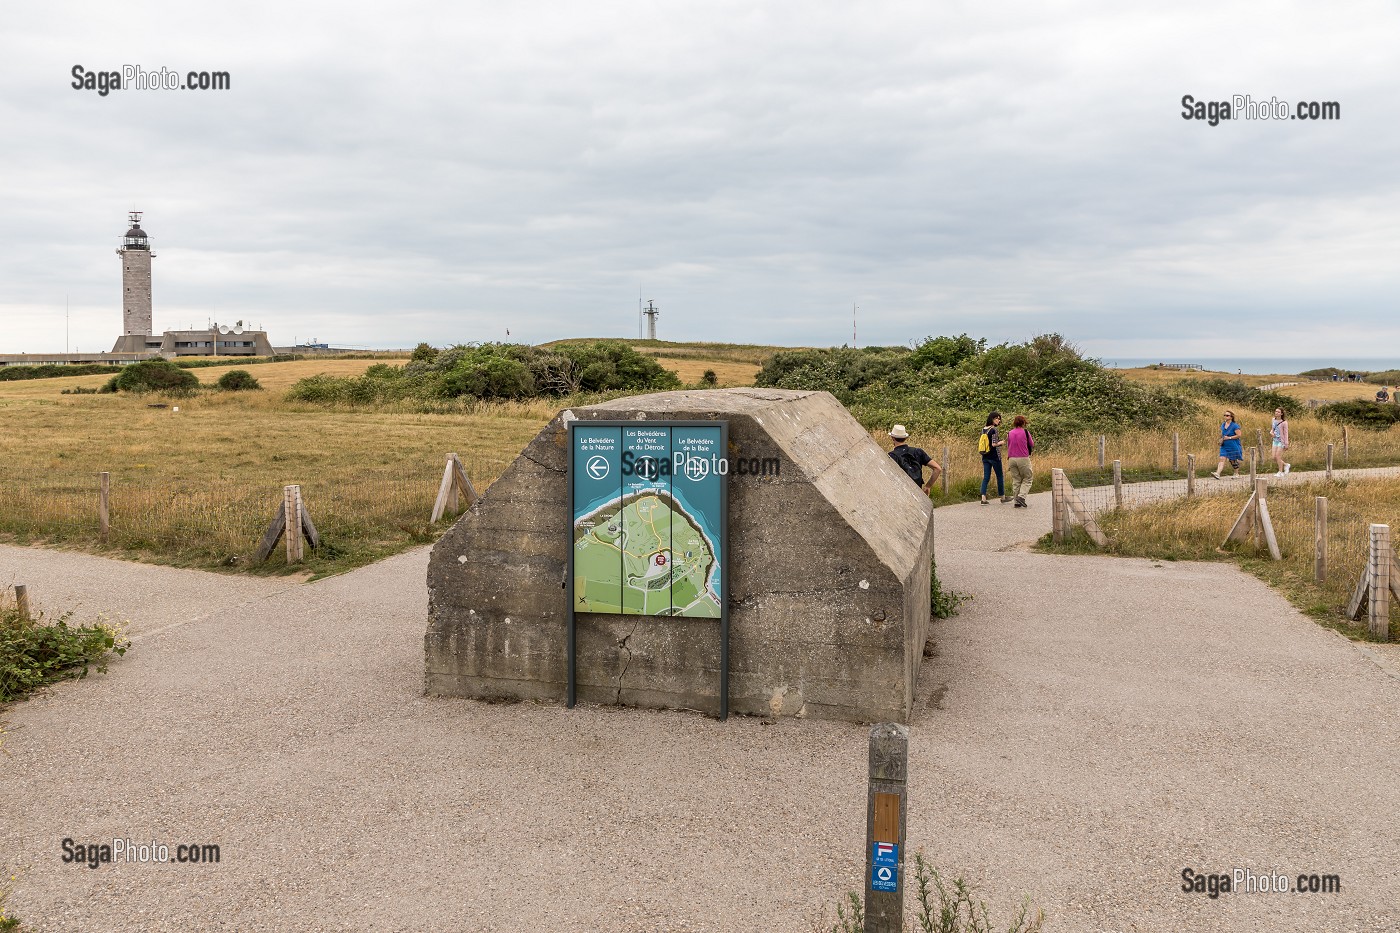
(195, 486)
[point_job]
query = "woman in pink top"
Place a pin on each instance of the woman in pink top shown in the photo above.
(1019, 445)
(1280, 433)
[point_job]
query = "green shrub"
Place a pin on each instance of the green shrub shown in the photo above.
(709, 378)
(1373, 416)
(13, 373)
(34, 652)
(237, 380)
(496, 371)
(424, 353)
(949, 384)
(155, 376)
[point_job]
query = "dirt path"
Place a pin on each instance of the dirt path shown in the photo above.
(1091, 727)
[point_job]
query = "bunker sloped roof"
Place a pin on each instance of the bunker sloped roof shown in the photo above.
(823, 440)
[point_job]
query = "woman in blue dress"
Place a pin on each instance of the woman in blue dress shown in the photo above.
(1231, 449)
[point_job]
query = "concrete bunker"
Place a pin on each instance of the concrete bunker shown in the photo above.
(830, 552)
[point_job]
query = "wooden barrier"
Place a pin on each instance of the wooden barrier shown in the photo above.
(1254, 521)
(455, 484)
(302, 528)
(1378, 582)
(1066, 507)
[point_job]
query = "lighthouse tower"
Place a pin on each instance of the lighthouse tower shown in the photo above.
(136, 280)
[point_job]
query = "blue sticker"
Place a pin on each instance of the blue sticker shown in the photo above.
(884, 866)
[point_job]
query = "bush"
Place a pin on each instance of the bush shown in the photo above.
(12, 373)
(949, 384)
(709, 378)
(155, 376)
(1373, 416)
(34, 652)
(497, 371)
(424, 353)
(237, 380)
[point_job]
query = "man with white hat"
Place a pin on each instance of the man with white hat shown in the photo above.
(912, 460)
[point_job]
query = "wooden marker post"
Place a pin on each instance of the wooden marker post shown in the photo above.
(1176, 450)
(1379, 605)
(1190, 474)
(1320, 539)
(885, 822)
(1118, 483)
(291, 502)
(1329, 460)
(943, 477)
(1058, 524)
(1346, 445)
(104, 489)
(22, 602)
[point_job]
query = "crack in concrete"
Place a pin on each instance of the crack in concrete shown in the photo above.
(627, 661)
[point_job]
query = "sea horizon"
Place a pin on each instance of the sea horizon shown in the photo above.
(1258, 366)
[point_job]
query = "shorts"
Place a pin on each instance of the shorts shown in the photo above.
(1278, 445)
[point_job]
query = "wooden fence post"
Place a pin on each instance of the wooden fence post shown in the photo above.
(22, 601)
(885, 822)
(1329, 461)
(944, 475)
(1118, 483)
(1346, 445)
(1057, 505)
(1190, 474)
(1176, 450)
(1320, 539)
(291, 502)
(104, 488)
(1102, 441)
(1259, 439)
(1266, 522)
(1379, 615)
(1253, 465)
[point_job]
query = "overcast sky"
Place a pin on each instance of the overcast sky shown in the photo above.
(381, 174)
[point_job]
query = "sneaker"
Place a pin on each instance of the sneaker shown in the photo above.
(984, 500)
(1217, 475)
(1287, 467)
(1005, 498)
(1020, 503)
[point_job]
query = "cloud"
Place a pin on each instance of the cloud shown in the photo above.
(382, 178)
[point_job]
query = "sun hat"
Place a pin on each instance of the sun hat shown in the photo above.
(898, 433)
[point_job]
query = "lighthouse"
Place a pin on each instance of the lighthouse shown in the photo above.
(136, 257)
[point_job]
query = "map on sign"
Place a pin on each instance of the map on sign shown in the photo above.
(648, 518)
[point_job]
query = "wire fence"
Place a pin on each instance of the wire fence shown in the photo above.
(219, 520)
(1320, 526)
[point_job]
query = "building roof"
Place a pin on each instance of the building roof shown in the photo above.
(135, 231)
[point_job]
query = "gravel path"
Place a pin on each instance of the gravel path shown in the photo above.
(1089, 727)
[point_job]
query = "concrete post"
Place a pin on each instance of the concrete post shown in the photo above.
(884, 828)
(1118, 483)
(1190, 474)
(1320, 539)
(1379, 607)
(1329, 460)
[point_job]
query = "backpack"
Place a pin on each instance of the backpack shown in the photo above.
(984, 443)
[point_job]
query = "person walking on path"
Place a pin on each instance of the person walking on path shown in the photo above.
(1279, 430)
(912, 460)
(1231, 449)
(1019, 445)
(989, 445)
